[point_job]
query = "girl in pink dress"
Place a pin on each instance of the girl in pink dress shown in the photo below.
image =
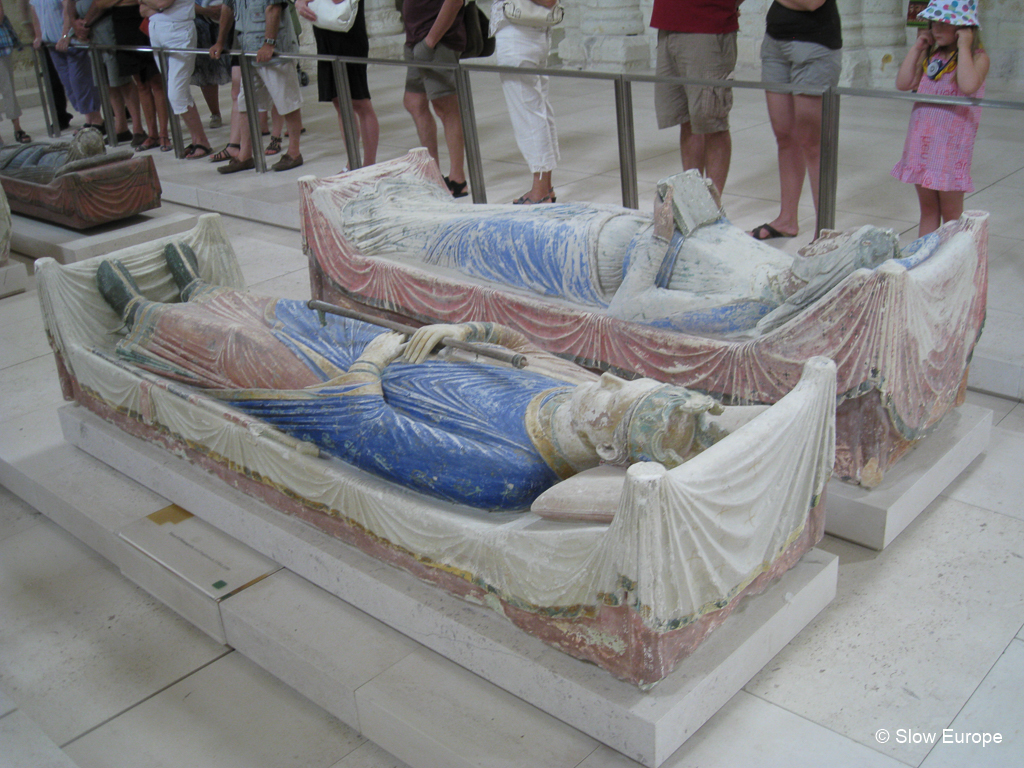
(945, 60)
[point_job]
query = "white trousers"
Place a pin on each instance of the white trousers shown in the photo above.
(533, 120)
(165, 33)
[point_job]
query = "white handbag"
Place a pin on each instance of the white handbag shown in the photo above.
(337, 17)
(527, 13)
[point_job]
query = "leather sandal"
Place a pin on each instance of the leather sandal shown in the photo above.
(273, 146)
(457, 188)
(224, 155)
(767, 232)
(527, 200)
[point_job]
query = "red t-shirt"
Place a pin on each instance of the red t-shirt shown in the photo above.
(706, 17)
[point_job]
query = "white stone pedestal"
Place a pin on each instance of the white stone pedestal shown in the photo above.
(36, 239)
(874, 518)
(189, 565)
(397, 706)
(13, 278)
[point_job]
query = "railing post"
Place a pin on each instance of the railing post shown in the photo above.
(100, 79)
(175, 121)
(46, 92)
(252, 113)
(627, 141)
(828, 176)
(348, 120)
(467, 113)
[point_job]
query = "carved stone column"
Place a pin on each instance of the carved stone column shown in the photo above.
(606, 35)
(385, 28)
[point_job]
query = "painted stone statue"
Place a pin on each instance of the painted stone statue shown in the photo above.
(13, 274)
(42, 161)
(78, 183)
(682, 296)
(628, 568)
(688, 270)
(468, 433)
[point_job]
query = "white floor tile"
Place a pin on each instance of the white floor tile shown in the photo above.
(995, 708)
(749, 731)
(79, 644)
(228, 714)
(994, 480)
(369, 755)
(1014, 421)
(6, 704)
(911, 632)
(1001, 407)
(471, 736)
(15, 515)
(25, 745)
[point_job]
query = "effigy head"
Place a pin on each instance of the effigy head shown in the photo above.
(874, 246)
(88, 142)
(639, 420)
(665, 425)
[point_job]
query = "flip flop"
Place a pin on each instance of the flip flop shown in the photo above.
(197, 151)
(767, 232)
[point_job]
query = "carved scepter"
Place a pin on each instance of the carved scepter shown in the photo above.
(514, 359)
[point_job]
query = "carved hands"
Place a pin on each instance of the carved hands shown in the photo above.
(426, 338)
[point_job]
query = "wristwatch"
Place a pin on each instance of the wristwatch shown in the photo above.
(271, 41)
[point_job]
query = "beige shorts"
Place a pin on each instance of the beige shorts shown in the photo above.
(277, 83)
(701, 57)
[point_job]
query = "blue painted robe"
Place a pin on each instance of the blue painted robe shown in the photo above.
(449, 429)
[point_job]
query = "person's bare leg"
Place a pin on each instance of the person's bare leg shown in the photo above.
(542, 186)
(130, 93)
(294, 121)
(691, 148)
(717, 157)
(244, 138)
(369, 129)
(194, 123)
(807, 125)
(148, 109)
(447, 108)
(211, 95)
(117, 105)
(951, 205)
(160, 105)
(791, 161)
(416, 104)
(931, 216)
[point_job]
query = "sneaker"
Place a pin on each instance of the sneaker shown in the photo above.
(287, 162)
(216, 121)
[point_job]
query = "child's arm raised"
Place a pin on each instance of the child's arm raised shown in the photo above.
(971, 66)
(910, 70)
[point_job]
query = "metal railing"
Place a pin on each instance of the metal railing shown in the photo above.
(623, 99)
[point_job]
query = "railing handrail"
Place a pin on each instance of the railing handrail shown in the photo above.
(622, 82)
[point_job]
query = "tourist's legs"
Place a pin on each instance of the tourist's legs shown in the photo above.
(369, 129)
(792, 166)
(931, 211)
(526, 96)
(951, 205)
(447, 108)
(211, 94)
(717, 157)
(426, 127)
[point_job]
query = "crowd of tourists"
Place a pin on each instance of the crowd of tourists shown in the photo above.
(802, 47)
